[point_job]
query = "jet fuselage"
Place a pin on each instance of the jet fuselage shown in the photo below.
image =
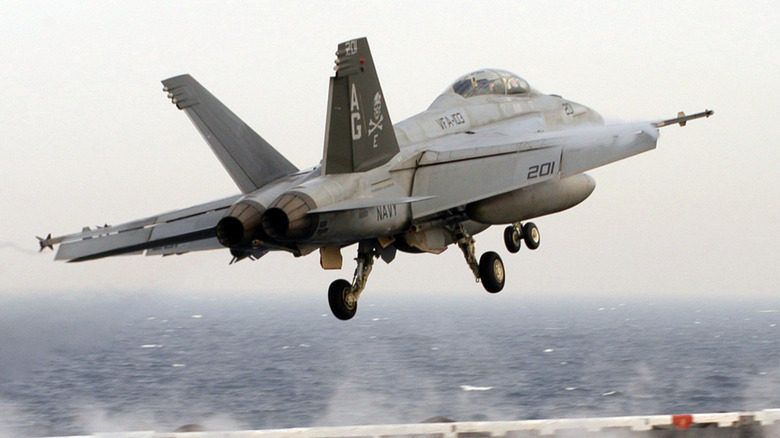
(310, 210)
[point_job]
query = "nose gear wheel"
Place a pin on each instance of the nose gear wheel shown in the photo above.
(517, 233)
(513, 239)
(531, 235)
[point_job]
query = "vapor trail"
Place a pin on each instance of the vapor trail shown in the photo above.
(15, 246)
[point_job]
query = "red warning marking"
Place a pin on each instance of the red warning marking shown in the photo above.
(682, 421)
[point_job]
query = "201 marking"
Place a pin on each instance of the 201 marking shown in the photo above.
(540, 170)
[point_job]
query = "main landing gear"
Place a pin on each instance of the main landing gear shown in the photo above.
(489, 270)
(343, 296)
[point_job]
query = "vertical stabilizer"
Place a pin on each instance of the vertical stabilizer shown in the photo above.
(359, 133)
(248, 158)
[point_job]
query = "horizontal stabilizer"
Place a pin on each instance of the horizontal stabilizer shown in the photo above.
(248, 158)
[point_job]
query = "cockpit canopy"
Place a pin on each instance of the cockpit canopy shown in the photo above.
(489, 81)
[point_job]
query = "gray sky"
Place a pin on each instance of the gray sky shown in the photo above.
(88, 137)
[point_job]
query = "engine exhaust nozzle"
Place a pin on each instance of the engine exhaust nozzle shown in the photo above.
(241, 224)
(288, 217)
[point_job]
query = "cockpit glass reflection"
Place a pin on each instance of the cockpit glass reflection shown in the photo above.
(489, 82)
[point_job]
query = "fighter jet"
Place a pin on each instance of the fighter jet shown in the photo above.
(489, 150)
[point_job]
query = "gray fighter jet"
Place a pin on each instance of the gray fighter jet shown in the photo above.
(489, 150)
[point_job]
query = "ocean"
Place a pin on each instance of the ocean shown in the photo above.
(78, 363)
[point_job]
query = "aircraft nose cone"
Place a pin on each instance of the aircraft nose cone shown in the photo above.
(287, 218)
(240, 225)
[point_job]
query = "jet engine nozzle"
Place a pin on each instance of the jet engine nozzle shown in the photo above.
(287, 218)
(241, 224)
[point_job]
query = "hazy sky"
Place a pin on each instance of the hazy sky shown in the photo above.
(88, 137)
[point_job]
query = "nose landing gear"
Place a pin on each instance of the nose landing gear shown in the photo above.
(517, 233)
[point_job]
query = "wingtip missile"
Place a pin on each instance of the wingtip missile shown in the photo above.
(49, 242)
(681, 116)
(682, 119)
(45, 242)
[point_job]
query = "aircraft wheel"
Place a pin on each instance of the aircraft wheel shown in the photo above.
(531, 235)
(491, 272)
(512, 239)
(341, 300)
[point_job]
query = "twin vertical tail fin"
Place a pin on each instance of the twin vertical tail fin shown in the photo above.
(248, 158)
(359, 135)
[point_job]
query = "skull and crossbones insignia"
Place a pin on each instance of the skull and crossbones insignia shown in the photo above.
(379, 118)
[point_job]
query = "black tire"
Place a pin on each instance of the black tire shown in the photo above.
(491, 272)
(512, 239)
(337, 299)
(531, 236)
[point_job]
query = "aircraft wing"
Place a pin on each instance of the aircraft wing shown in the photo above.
(174, 232)
(466, 167)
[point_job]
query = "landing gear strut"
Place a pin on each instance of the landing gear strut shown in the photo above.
(517, 233)
(489, 270)
(343, 296)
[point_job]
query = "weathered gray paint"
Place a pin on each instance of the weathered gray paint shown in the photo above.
(476, 161)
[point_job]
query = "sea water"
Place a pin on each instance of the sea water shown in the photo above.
(85, 363)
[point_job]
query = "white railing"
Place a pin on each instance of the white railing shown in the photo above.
(508, 429)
